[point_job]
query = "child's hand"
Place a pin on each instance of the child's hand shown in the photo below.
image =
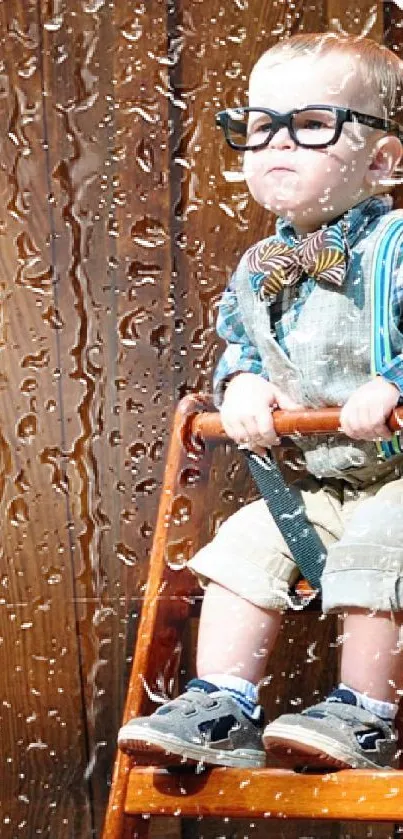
(364, 415)
(246, 412)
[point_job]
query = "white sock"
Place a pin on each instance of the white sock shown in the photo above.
(246, 693)
(385, 710)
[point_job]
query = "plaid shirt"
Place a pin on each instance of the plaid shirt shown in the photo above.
(241, 355)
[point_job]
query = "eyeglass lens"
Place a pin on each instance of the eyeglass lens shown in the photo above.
(310, 127)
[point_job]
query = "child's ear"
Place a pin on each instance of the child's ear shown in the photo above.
(386, 156)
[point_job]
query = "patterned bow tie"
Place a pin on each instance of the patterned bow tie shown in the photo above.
(321, 255)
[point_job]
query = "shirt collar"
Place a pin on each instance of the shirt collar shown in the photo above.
(354, 220)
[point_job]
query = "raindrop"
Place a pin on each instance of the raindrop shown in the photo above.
(93, 6)
(53, 317)
(127, 326)
(145, 156)
(115, 437)
(181, 510)
(156, 450)
(38, 744)
(36, 361)
(148, 233)
(190, 476)
(28, 385)
(40, 283)
(27, 427)
(18, 511)
(126, 554)
(137, 451)
(145, 530)
(127, 516)
(28, 67)
(132, 32)
(147, 486)
(26, 249)
(53, 24)
(160, 338)
(142, 274)
(133, 407)
(310, 653)
(53, 576)
(101, 614)
(178, 553)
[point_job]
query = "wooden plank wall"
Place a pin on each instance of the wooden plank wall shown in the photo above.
(117, 234)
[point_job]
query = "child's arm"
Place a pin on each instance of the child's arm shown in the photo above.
(241, 389)
(241, 354)
(364, 415)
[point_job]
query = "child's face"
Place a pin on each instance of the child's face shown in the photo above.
(311, 186)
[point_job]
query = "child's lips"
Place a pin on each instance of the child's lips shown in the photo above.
(280, 168)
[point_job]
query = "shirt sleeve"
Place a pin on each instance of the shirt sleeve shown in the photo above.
(240, 354)
(392, 370)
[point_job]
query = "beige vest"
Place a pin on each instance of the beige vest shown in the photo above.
(328, 356)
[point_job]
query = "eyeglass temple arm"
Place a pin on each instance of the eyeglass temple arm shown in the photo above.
(224, 122)
(377, 122)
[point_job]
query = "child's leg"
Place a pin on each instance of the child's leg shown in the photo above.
(372, 659)
(249, 569)
(363, 579)
(217, 720)
(235, 636)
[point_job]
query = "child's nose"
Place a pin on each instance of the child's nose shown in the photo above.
(282, 139)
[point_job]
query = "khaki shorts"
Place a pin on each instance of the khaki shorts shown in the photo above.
(362, 529)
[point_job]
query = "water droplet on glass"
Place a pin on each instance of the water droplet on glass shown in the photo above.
(147, 486)
(160, 338)
(27, 427)
(137, 451)
(148, 233)
(18, 511)
(126, 554)
(53, 576)
(181, 510)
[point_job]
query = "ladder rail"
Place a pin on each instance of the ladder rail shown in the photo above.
(197, 429)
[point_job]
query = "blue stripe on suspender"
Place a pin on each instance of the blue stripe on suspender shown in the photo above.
(381, 280)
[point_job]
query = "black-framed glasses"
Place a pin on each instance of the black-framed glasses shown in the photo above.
(312, 127)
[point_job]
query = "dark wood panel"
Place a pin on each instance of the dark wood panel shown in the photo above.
(77, 58)
(43, 713)
(117, 234)
(112, 180)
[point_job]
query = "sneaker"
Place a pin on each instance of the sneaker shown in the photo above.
(203, 725)
(335, 734)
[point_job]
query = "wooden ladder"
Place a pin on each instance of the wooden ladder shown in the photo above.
(138, 792)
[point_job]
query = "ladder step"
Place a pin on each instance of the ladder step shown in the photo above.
(362, 795)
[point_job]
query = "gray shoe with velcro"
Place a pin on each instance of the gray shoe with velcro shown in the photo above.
(334, 734)
(202, 726)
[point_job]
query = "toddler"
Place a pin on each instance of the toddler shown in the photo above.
(320, 146)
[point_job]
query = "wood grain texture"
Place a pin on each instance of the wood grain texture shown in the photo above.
(267, 793)
(43, 711)
(118, 233)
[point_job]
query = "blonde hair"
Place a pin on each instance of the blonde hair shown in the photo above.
(381, 69)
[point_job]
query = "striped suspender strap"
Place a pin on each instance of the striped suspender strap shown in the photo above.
(382, 268)
(287, 508)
